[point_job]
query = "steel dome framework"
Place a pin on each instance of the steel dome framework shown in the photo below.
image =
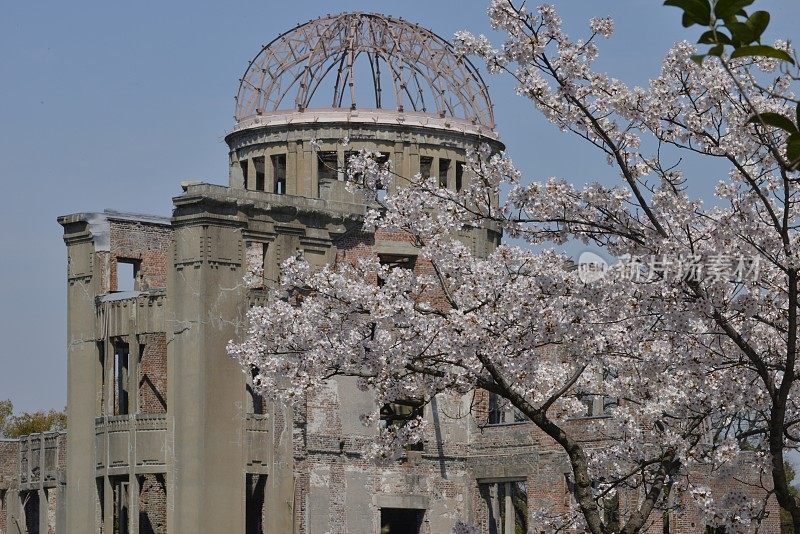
(326, 55)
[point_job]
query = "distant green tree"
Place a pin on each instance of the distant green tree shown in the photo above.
(6, 409)
(14, 426)
(786, 517)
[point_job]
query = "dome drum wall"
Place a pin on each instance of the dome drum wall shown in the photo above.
(279, 157)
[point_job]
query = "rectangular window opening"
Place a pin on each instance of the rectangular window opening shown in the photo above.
(396, 261)
(396, 414)
(121, 357)
(459, 175)
(244, 166)
(127, 273)
(501, 411)
(255, 489)
(256, 400)
(258, 164)
(100, 504)
(425, 164)
(507, 506)
(401, 520)
(279, 173)
(30, 508)
(444, 169)
(327, 166)
(101, 378)
(121, 489)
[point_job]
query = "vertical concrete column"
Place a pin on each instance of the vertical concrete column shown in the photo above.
(398, 162)
(435, 168)
(292, 168)
(133, 500)
(308, 177)
(44, 507)
(249, 177)
(207, 300)
(108, 506)
(236, 176)
(61, 508)
(269, 174)
(451, 171)
(86, 237)
(413, 161)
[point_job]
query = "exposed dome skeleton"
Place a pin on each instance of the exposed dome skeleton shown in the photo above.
(424, 73)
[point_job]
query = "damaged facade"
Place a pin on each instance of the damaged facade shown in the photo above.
(165, 433)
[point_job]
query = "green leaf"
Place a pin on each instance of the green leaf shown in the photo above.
(763, 51)
(698, 58)
(797, 113)
(694, 11)
(793, 149)
(716, 50)
(741, 33)
(775, 120)
(758, 22)
(726, 8)
(715, 37)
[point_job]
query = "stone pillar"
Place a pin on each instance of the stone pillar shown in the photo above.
(86, 237)
(207, 300)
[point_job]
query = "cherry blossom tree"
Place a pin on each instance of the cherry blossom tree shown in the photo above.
(691, 334)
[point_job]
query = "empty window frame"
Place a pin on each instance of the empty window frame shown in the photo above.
(100, 504)
(444, 170)
(100, 383)
(121, 359)
(30, 509)
(255, 401)
(255, 489)
(259, 164)
(279, 173)
(244, 164)
(459, 175)
(401, 520)
(425, 164)
(121, 489)
(395, 415)
(327, 166)
(396, 261)
(507, 506)
(127, 273)
(502, 412)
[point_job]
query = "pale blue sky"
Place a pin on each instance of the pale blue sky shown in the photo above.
(112, 104)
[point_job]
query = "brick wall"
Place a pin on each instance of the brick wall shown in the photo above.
(147, 244)
(153, 374)
(9, 466)
(152, 504)
(52, 502)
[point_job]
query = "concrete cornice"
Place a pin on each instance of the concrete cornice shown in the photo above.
(328, 116)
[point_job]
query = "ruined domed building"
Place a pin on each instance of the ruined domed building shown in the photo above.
(165, 433)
